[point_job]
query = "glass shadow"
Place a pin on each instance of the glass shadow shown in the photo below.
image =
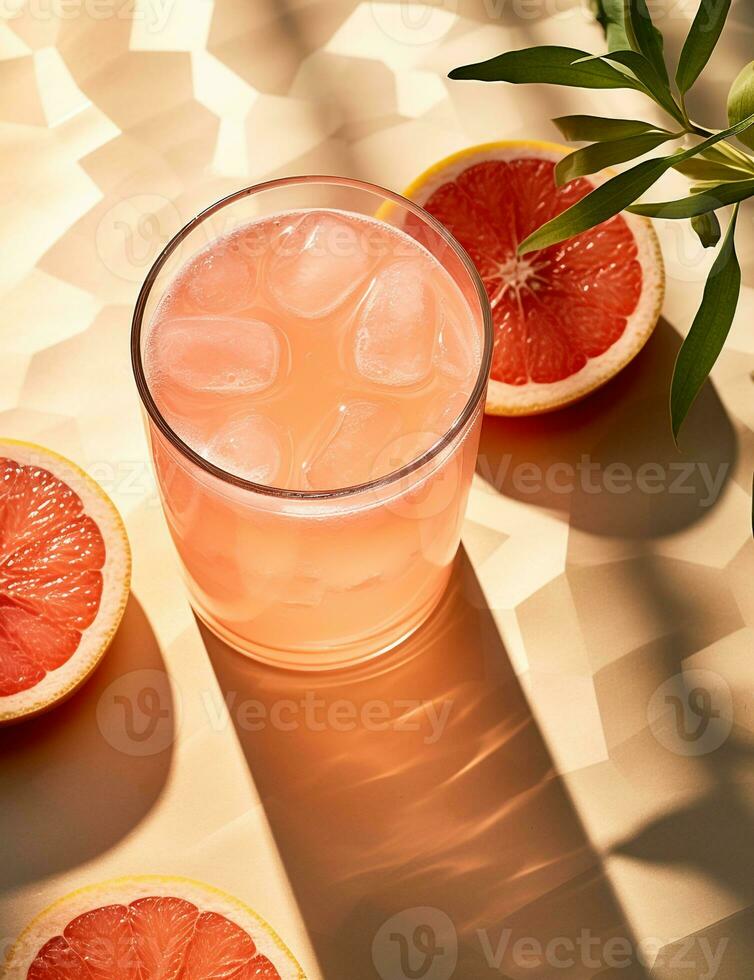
(423, 827)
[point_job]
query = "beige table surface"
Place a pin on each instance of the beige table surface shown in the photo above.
(561, 782)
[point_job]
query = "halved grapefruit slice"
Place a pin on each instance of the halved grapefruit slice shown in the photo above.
(149, 927)
(567, 318)
(65, 569)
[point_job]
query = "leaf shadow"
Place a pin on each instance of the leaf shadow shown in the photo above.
(575, 461)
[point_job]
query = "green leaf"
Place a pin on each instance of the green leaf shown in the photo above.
(741, 101)
(594, 128)
(735, 130)
(548, 64)
(654, 84)
(704, 34)
(702, 169)
(707, 228)
(717, 153)
(612, 16)
(732, 156)
(598, 156)
(616, 194)
(706, 200)
(603, 203)
(648, 39)
(709, 330)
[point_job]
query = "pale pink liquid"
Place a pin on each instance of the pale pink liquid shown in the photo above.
(313, 351)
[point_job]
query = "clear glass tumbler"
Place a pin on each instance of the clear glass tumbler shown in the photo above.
(315, 579)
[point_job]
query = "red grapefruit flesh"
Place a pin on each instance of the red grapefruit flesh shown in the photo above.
(64, 577)
(568, 317)
(175, 930)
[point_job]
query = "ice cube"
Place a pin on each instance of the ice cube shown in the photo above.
(350, 442)
(452, 406)
(224, 355)
(403, 450)
(429, 490)
(222, 279)
(252, 447)
(317, 263)
(397, 325)
(458, 348)
(409, 446)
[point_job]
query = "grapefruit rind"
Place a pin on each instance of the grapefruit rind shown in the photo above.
(53, 920)
(535, 398)
(63, 681)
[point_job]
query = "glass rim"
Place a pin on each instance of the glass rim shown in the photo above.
(383, 481)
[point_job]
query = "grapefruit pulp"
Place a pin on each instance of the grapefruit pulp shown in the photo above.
(567, 318)
(149, 927)
(64, 577)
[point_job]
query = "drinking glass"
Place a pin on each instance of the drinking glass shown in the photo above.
(315, 579)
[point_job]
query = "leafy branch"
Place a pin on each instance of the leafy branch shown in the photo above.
(722, 174)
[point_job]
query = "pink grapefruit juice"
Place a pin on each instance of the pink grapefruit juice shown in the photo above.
(314, 354)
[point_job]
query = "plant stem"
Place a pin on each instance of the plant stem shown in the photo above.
(686, 121)
(736, 156)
